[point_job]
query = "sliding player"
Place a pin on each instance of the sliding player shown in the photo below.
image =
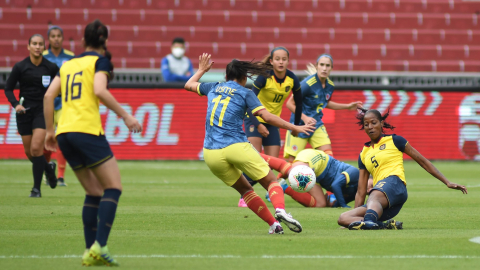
(382, 157)
(227, 151)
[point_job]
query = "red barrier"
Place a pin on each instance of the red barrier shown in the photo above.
(441, 125)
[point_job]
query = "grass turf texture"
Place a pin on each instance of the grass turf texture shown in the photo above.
(181, 217)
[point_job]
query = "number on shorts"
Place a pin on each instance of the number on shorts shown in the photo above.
(277, 98)
(222, 113)
(374, 162)
(73, 84)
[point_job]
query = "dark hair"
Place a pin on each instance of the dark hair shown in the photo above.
(266, 59)
(237, 70)
(108, 55)
(96, 33)
(36, 35)
(361, 115)
(178, 40)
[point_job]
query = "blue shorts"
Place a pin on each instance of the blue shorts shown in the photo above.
(272, 139)
(83, 150)
(396, 193)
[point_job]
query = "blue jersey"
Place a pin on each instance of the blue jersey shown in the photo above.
(63, 57)
(315, 99)
(227, 105)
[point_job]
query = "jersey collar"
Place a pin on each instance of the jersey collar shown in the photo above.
(90, 53)
(368, 144)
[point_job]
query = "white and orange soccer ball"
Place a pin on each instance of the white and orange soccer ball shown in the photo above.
(302, 178)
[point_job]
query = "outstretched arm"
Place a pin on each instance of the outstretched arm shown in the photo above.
(337, 190)
(204, 66)
(344, 106)
(279, 122)
(429, 167)
(362, 188)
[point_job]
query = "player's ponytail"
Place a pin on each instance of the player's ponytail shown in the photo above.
(361, 116)
(238, 70)
(96, 34)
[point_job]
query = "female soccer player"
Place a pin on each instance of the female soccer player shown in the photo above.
(333, 175)
(382, 157)
(34, 74)
(82, 83)
(58, 55)
(317, 90)
(227, 151)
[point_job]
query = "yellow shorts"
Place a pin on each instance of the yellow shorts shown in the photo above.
(228, 163)
(56, 116)
(293, 145)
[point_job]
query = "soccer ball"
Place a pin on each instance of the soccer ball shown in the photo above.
(302, 178)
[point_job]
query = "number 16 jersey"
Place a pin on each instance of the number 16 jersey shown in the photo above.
(227, 105)
(80, 111)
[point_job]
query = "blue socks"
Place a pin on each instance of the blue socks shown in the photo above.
(106, 214)
(89, 217)
(371, 215)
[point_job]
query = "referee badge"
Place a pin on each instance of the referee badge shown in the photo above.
(46, 81)
(287, 88)
(382, 147)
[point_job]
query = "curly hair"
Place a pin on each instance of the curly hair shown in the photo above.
(361, 116)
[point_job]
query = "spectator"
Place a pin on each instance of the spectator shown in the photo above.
(176, 67)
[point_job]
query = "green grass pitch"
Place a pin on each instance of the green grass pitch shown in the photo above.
(177, 215)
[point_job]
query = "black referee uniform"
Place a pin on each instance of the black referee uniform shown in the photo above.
(34, 81)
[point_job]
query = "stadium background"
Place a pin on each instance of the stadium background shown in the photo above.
(365, 37)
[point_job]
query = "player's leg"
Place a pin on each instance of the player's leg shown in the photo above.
(351, 216)
(61, 162)
(321, 141)
(40, 164)
(293, 146)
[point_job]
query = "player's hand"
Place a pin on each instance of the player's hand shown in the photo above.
(204, 62)
(132, 124)
(20, 109)
(50, 142)
(308, 120)
(354, 105)
(307, 129)
(263, 130)
(457, 186)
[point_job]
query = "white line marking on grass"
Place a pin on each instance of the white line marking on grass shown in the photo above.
(470, 186)
(475, 240)
(193, 256)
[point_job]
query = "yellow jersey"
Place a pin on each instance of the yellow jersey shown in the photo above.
(316, 159)
(272, 91)
(80, 104)
(384, 158)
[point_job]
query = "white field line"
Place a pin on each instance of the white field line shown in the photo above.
(475, 240)
(194, 256)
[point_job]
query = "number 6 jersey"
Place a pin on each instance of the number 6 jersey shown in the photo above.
(80, 111)
(384, 158)
(227, 105)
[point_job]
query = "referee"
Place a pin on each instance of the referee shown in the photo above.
(34, 74)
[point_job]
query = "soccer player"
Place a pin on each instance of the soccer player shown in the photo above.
(34, 74)
(272, 91)
(382, 157)
(227, 151)
(317, 90)
(333, 175)
(82, 83)
(58, 55)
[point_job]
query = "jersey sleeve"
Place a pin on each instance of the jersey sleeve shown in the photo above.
(399, 142)
(10, 85)
(253, 103)
(204, 88)
(103, 65)
(259, 83)
(296, 82)
(361, 166)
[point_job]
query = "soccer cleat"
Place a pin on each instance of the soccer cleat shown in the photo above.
(363, 225)
(89, 261)
(61, 182)
(276, 228)
(283, 184)
(391, 224)
(291, 223)
(102, 254)
(267, 197)
(241, 203)
(35, 193)
(51, 177)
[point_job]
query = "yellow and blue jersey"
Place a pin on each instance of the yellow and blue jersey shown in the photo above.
(227, 105)
(384, 158)
(272, 91)
(315, 99)
(80, 104)
(63, 57)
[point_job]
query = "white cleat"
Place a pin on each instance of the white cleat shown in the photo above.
(276, 228)
(291, 223)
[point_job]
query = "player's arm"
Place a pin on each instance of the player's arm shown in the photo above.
(362, 183)
(430, 168)
(280, 123)
(297, 98)
(48, 105)
(344, 106)
(10, 86)
(254, 119)
(292, 106)
(204, 66)
(337, 190)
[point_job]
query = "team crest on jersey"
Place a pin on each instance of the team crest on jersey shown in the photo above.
(287, 88)
(327, 96)
(252, 128)
(382, 146)
(46, 81)
(294, 148)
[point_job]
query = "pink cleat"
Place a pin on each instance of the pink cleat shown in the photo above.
(242, 203)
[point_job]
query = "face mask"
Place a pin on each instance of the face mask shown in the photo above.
(178, 52)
